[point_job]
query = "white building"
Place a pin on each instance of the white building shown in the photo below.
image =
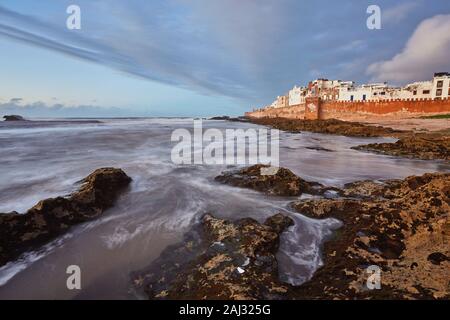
(416, 90)
(347, 91)
(280, 102)
(441, 85)
(297, 95)
(366, 92)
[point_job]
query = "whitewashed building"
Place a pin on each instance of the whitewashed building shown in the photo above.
(441, 85)
(280, 102)
(297, 95)
(347, 91)
(416, 90)
(366, 92)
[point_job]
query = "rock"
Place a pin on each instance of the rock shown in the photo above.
(329, 126)
(437, 257)
(245, 267)
(426, 147)
(13, 118)
(51, 217)
(364, 189)
(318, 148)
(233, 119)
(220, 118)
(283, 183)
(406, 223)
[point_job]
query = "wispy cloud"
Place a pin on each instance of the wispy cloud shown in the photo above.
(41, 109)
(213, 48)
(399, 12)
(252, 50)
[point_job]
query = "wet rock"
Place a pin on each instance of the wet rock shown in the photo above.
(283, 183)
(330, 126)
(402, 226)
(244, 267)
(51, 217)
(426, 147)
(13, 118)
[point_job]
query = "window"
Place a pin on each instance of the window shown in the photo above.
(426, 91)
(440, 83)
(383, 93)
(449, 92)
(375, 93)
(439, 92)
(415, 93)
(364, 97)
(351, 98)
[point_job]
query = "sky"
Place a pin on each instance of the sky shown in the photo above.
(203, 57)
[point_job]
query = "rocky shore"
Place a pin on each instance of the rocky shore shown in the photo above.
(219, 259)
(400, 226)
(52, 217)
(424, 145)
(431, 146)
(330, 126)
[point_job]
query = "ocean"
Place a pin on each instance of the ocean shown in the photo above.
(46, 158)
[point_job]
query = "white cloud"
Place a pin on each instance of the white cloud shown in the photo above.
(426, 52)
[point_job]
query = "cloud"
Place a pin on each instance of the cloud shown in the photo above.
(209, 47)
(355, 45)
(399, 12)
(426, 52)
(40, 109)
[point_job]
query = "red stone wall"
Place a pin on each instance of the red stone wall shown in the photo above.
(357, 109)
(292, 112)
(312, 108)
(330, 109)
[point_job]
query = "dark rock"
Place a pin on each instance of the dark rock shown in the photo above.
(329, 126)
(220, 118)
(13, 118)
(318, 148)
(233, 119)
(283, 183)
(245, 267)
(51, 217)
(426, 147)
(437, 257)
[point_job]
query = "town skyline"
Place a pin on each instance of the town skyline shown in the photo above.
(349, 91)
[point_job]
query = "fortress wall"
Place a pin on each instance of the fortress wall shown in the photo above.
(319, 109)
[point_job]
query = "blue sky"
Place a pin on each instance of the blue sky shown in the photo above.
(202, 58)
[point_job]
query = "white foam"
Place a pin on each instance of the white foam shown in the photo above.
(11, 269)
